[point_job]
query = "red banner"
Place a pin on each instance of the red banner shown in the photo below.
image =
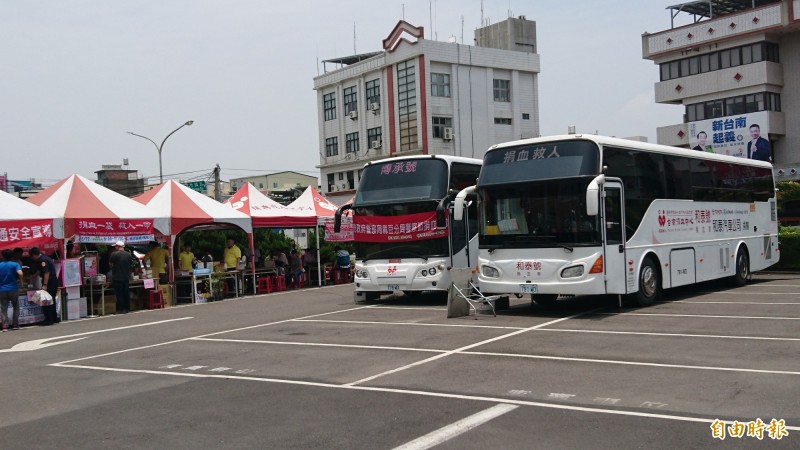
(113, 227)
(26, 233)
(345, 234)
(410, 227)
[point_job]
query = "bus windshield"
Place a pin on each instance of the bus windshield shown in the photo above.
(406, 249)
(537, 214)
(402, 181)
(539, 161)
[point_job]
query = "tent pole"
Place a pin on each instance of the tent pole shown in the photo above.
(319, 262)
(252, 259)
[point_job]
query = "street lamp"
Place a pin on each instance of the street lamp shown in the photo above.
(161, 147)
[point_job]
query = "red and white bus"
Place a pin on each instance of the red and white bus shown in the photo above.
(404, 239)
(584, 214)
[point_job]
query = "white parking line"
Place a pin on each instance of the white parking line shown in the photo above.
(643, 333)
(448, 432)
(687, 302)
(618, 412)
(423, 324)
(207, 335)
(632, 363)
(318, 344)
(467, 347)
(413, 308)
(748, 293)
(704, 316)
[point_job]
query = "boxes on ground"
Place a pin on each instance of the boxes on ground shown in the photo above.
(76, 308)
(166, 292)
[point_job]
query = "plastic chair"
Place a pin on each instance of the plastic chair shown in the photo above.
(265, 285)
(475, 298)
(155, 299)
(279, 282)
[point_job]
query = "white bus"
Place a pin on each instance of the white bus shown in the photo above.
(404, 240)
(584, 214)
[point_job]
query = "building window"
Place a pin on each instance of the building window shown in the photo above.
(730, 106)
(351, 181)
(350, 100)
(374, 135)
(341, 176)
(329, 105)
(351, 142)
(439, 124)
(502, 121)
(331, 146)
(331, 182)
(261, 185)
(407, 104)
(440, 85)
(502, 90)
(274, 185)
(723, 59)
(526, 116)
(373, 91)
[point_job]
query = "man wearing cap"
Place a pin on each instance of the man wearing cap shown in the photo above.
(47, 270)
(120, 262)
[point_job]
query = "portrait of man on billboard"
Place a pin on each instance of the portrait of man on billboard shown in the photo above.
(758, 147)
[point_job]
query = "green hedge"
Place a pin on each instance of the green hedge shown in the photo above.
(790, 251)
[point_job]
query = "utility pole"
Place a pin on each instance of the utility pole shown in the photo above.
(217, 193)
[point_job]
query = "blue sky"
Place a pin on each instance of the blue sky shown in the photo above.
(77, 75)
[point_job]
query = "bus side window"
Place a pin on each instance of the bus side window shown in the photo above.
(613, 217)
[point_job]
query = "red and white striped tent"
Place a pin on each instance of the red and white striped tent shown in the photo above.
(95, 214)
(186, 208)
(264, 211)
(25, 225)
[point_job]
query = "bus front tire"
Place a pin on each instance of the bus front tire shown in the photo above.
(743, 274)
(649, 284)
(544, 299)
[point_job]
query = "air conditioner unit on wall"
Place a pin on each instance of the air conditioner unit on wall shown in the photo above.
(448, 133)
(374, 107)
(354, 115)
(375, 145)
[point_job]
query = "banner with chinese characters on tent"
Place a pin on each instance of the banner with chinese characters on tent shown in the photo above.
(409, 227)
(345, 232)
(97, 231)
(27, 233)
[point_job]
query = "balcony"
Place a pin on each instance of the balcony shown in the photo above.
(756, 20)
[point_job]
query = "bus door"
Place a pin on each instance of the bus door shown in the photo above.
(614, 237)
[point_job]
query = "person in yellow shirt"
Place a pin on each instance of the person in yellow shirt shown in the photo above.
(231, 255)
(186, 258)
(158, 260)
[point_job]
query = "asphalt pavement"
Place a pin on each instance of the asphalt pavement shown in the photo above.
(311, 369)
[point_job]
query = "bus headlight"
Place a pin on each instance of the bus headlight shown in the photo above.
(361, 274)
(572, 272)
(432, 271)
(424, 272)
(490, 272)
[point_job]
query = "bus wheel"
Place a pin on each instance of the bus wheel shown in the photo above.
(742, 268)
(649, 284)
(544, 299)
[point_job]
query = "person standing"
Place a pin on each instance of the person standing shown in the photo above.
(120, 262)
(10, 280)
(47, 270)
(158, 261)
(231, 255)
(295, 274)
(186, 258)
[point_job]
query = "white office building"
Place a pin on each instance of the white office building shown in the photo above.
(421, 96)
(734, 69)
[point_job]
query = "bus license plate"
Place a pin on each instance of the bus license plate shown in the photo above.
(394, 287)
(527, 288)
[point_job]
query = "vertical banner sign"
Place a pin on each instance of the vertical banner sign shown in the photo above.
(409, 227)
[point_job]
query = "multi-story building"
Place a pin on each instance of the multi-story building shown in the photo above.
(120, 179)
(421, 96)
(279, 181)
(734, 69)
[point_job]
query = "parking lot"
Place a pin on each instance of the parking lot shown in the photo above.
(311, 369)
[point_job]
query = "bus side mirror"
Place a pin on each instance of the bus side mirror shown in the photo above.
(592, 195)
(337, 220)
(458, 210)
(441, 220)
